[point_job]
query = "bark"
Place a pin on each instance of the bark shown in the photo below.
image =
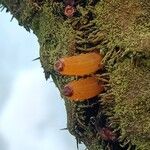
(118, 118)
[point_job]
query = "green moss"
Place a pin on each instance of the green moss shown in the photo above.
(130, 86)
(54, 37)
(95, 146)
(120, 20)
(127, 26)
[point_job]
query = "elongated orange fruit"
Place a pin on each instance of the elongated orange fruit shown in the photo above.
(83, 89)
(80, 65)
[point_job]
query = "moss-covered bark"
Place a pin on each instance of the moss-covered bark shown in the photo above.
(120, 31)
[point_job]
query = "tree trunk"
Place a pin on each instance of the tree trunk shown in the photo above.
(119, 117)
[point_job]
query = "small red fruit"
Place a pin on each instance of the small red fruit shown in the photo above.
(59, 66)
(69, 11)
(107, 135)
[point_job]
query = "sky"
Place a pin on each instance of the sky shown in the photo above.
(31, 109)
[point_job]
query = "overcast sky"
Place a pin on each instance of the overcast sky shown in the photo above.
(31, 109)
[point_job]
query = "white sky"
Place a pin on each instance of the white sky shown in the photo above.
(31, 110)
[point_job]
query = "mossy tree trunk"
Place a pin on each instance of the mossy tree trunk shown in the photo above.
(119, 118)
